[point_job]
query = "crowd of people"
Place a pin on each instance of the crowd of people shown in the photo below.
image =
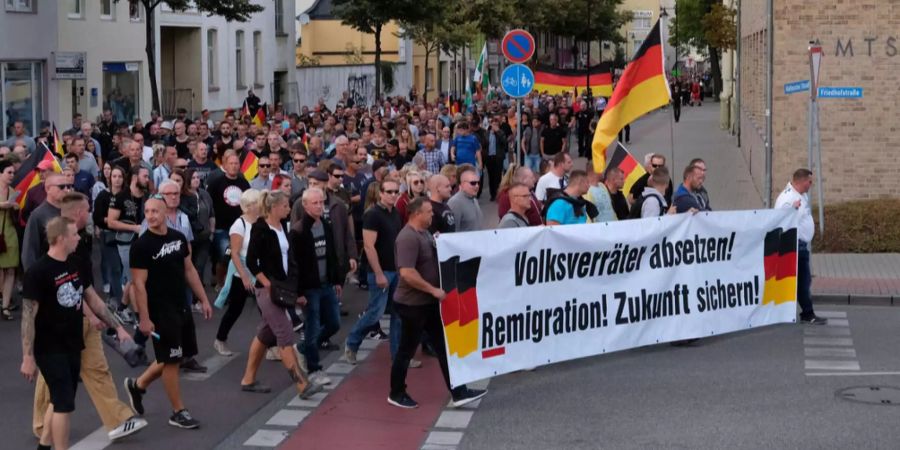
(352, 195)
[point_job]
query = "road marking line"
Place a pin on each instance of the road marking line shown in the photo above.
(825, 352)
(444, 437)
(812, 364)
(213, 364)
(826, 331)
(340, 368)
(850, 374)
(266, 438)
(832, 314)
(288, 417)
(837, 323)
(844, 342)
(454, 419)
(98, 440)
(312, 402)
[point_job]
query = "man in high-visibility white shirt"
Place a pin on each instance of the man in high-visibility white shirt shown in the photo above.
(796, 195)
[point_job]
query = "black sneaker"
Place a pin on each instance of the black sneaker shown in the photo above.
(329, 346)
(814, 320)
(465, 396)
(183, 419)
(378, 335)
(135, 396)
(192, 366)
(402, 401)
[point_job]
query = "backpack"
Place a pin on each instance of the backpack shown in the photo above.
(579, 205)
(635, 212)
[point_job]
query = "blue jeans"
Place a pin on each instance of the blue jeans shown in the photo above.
(533, 162)
(111, 267)
(804, 281)
(220, 245)
(319, 301)
(378, 299)
(124, 254)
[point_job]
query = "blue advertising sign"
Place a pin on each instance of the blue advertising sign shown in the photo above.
(840, 92)
(517, 80)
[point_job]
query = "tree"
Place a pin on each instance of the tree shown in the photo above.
(443, 28)
(709, 27)
(370, 16)
(231, 10)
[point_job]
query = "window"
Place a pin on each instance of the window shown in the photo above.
(239, 59)
(107, 9)
(279, 17)
(429, 79)
(21, 96)
(21, 6)
(641, 19)
(211, 60)
(134, 11)
(121, 89)
(257, 58)
(76, 9)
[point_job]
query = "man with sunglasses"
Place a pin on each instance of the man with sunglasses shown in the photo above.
(464, 203)
(381, 224)
(299, 181)
(34, 240)
(651, 161)
(262, 181)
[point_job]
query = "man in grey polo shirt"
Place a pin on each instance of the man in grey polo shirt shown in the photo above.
(464, 203)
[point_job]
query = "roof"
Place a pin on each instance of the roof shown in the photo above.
(321, 9)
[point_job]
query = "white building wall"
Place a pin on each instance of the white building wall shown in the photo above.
(117, 39)
(227, 93)
(32, 37)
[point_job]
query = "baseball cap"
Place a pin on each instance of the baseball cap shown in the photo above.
(319, 175)
(166, 125)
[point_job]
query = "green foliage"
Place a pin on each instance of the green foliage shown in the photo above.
(309, 61)
(561, 17)
(354, 54)
(866, 226)
(720, 28)
(231, 10)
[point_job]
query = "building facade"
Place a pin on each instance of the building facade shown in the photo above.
(858, 135)
(28, 92)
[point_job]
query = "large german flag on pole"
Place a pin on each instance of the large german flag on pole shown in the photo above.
(641, 89)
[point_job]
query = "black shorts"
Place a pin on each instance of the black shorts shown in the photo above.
(177, 337)
(60, 371)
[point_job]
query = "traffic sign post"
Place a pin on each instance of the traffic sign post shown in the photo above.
(517, 47)
(815, 145)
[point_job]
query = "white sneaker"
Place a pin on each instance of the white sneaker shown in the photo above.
(130, 426)
(106, 288)
(272, 354)
(221, 348)
(319, 377)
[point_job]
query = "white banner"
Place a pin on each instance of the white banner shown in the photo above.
(527, 297)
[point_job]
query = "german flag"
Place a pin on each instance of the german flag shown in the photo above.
(57, 142)
(560, 81)
(622, 159)
(249, 165)
(27, 176)
(780, 266)
(641, 89)
(260, 118)
(245, 110)
(459, 309)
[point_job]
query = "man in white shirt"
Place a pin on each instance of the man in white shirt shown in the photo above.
(556, 178)
(796, 195)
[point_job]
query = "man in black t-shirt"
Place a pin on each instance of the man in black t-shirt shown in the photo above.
(381, 224)
(637, 189)
(225, 191)
(52, 316)
(162, 269)
(440, 191)
(553, 138)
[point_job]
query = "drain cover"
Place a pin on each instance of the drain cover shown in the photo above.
(876, 395)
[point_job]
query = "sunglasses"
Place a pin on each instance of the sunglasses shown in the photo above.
(417, 182)
(265, 166)
(299, 161)
(64, 187)
(337, 175)
(656, 166)
(473, 183)
(391, 191)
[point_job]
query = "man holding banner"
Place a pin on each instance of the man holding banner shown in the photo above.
(416, 302)
(795, 195)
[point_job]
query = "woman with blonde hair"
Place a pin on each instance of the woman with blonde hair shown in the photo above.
(268, 260)
(238, 282)
(415, 187)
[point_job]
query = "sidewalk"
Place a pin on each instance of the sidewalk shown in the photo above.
(837, 278)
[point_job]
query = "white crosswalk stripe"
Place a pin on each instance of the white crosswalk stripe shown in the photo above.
(829, 347)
